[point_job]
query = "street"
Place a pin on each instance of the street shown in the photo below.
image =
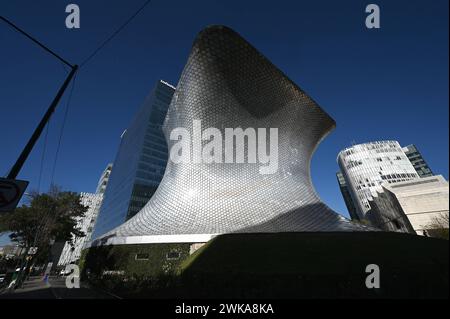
(37, 288)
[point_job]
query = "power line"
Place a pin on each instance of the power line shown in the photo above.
(19, 30)
(69, 98)
(85, 61)
(24, 155)
(114, 34)
(38, 131)
(43, 157)
(63, 66)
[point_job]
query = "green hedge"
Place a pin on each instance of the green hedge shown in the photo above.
(282, 265)
(122, 258)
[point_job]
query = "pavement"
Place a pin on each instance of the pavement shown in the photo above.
(55, 288)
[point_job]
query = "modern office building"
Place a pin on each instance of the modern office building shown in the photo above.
(347, 196)
(419, 206)
(417, 160)
(139, 164)
(366, 166)
(104, 178)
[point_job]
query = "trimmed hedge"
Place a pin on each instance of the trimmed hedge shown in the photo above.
(125, 258)
(282, 265)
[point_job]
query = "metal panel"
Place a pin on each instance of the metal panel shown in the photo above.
(227, 83)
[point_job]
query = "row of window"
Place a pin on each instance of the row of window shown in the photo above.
(397, 158)
(380, 147)
(149, 176)
(173, 255)
(403, 175)
(359, 187)
(158, 161)
(149, 168)
(165, 97)
(150, 148)
(150, 136)
(352, 163)
(387, 150)
(157, 116)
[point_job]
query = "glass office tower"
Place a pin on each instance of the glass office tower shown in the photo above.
(140, 162)
(417, 160)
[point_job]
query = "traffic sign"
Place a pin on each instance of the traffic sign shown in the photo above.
(11, 191)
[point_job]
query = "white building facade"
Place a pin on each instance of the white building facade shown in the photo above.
(367, 166)
(104, 178)
(424, 202)
(72, 251)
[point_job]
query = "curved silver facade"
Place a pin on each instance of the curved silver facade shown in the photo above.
(227, 83)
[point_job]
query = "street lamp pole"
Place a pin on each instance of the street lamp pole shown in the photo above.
(37, 132)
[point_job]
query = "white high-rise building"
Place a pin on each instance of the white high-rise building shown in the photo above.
(72, 251)
(104, 178)
(366, 166)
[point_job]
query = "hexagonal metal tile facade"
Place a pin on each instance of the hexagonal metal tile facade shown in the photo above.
(227, 83)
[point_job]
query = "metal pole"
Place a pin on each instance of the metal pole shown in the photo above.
(37, 132)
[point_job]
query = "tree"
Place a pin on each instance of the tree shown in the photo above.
(439, 226)
(48, 217)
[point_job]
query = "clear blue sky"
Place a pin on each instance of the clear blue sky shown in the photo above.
(390, 83)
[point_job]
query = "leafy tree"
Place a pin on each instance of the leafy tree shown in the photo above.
(439, 226)
(47, 218)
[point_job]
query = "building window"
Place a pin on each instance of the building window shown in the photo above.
(173, 255)
(142, 257)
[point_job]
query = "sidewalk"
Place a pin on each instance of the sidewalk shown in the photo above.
(37, 288)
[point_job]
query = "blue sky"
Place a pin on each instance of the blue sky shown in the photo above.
(389, 83)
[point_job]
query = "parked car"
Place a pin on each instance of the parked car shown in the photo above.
(64, 272)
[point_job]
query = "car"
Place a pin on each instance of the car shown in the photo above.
(64, 272)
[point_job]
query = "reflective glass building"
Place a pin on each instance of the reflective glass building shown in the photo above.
(417, 160)
(139, 164)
